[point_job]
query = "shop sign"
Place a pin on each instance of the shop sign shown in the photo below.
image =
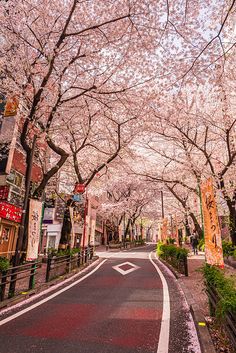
(10, 212)
(78, 198)
(4, 192)
(48, 215)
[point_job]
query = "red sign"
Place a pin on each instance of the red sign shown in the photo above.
(10, 212)
(4, 192)
(79, 188)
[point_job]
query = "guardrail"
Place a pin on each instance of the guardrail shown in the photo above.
(14, 275)
(126, 245)
(230, 318)
(60, 265)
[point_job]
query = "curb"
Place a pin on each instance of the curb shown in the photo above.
(203, 333)
(46, 285)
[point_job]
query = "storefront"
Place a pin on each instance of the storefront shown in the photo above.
(53, 236)
(10, 218)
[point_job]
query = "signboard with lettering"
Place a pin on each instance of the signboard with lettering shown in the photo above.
(79, 188)
(48, 215)
(10, 212)
(92, 232)
(213, 243)
(4, 192)
(35, 215)
(164, 231)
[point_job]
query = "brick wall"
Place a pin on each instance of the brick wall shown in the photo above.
(19, 165)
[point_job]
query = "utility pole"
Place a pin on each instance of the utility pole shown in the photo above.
(23, 225)
(22, 228)
(200, 199)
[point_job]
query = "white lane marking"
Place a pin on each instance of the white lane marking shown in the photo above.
(14, 316)
(125, 272)
(163, 344)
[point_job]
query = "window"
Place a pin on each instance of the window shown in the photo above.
(15, 178)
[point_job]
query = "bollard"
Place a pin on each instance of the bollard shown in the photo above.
(3, 285)
(49, 262)
(32, 275)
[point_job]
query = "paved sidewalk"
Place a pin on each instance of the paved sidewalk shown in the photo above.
(194, 291)
(193, 285)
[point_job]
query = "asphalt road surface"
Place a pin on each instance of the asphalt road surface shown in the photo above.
(128, 303)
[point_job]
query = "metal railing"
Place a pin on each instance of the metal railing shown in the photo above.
(230, 318)
(14, 275)
(124, 245)
(60, 265)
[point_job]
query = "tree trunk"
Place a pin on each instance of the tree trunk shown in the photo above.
(232, 224)
(196, 225)
(127, 228)
(232, 211)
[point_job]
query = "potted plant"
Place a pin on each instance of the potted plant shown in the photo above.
(4, 264)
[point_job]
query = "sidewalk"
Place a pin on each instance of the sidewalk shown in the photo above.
(193, 285)
(194, 291)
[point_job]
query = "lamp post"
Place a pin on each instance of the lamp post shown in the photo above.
(124, 230)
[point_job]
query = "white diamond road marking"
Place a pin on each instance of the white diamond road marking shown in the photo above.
(125, 272)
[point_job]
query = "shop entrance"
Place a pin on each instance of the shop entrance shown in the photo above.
(8, 237)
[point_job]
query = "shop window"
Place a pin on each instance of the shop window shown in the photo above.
(15, 178)
(52, 242)
(5, 233)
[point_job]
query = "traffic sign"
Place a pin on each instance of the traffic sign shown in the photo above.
(79, 188)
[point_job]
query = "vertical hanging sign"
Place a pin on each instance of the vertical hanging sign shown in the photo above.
(92, 233)
(213, 243)
(35, 213)
(120, 229)
(164, 230)
(159, 231)
(176, 233)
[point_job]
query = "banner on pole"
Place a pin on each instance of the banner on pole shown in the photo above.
(213, 243)
(176, 232)
(159, 231)
(92, 232)
(120, 230)
(35, 214)
(164, 230)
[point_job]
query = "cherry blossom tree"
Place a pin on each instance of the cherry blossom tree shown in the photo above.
(51, 56)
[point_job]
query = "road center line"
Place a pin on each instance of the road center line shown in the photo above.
(14, 316)
(163, 344)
